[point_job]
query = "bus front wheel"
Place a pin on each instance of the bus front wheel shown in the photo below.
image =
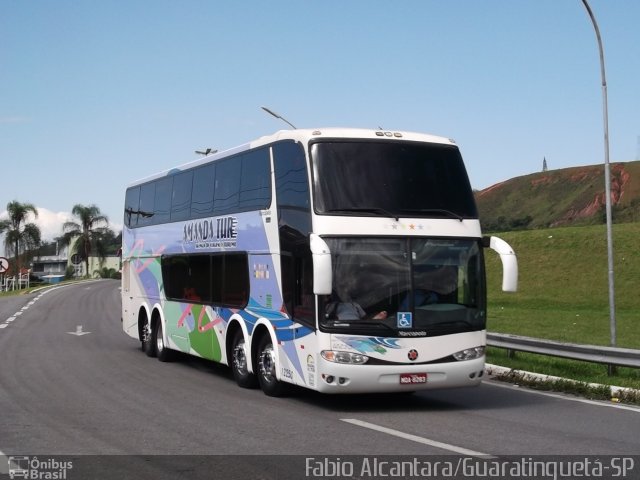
(267, 369)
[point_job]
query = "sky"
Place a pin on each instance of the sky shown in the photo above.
(95, 95)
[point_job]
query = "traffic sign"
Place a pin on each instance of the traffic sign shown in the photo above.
(4, 264)
(76, 259)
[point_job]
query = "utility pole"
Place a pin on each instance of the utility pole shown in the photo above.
(607, 180)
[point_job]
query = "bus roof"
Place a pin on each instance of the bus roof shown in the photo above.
(304, 136)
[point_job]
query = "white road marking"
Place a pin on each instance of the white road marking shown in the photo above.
(597, 403)
(79, 332)
(415, 438)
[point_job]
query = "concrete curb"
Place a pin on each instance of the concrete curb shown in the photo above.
(497, 370)
(66, 284)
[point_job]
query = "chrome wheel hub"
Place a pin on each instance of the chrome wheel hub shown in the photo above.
(240, 358)
(267, 364)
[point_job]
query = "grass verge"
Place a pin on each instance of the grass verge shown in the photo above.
(585, 379)
(563, 296)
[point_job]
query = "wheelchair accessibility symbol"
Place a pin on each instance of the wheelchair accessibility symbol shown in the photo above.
(405, 320)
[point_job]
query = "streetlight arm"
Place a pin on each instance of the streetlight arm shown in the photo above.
(599, 39)
(271, 112)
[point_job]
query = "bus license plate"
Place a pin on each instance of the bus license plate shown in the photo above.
(412, 378)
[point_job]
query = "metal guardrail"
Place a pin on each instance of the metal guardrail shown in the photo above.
(624, 357)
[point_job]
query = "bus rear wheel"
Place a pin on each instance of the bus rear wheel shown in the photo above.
(267, 369)
(239, 364)
(148, 346)
(162, 352)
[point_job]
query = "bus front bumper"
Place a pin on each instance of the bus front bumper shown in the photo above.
(347, 378)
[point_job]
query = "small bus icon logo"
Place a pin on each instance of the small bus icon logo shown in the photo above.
(18, 467)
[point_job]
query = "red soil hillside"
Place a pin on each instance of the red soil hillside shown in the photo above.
(569, 196)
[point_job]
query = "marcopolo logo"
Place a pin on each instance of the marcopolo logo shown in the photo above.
(211, 232)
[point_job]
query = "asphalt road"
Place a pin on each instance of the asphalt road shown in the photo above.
(97, 394)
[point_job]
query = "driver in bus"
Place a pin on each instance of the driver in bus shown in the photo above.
(432, 286)
(345, 308)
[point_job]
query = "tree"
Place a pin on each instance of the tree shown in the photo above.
(20, 236)
(86, 237)
(105, 272)
(112, 242)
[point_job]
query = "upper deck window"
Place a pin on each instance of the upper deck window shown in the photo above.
(391, 178)
(241, 183)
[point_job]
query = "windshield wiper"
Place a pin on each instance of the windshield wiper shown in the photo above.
(378, 323)
(448, 213)
(466, 323)
(378, 210)
(337, 323)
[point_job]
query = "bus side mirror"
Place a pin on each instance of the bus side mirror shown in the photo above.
(322, 275)
(509, 262)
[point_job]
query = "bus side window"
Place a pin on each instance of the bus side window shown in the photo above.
(230, 280)
(162, 204)
(236, 280)
(255, 183)
(147, 204)
(297, 287)
(181, 196)
(203, 191)
(227, 186)
(294, 226)
(131, 207)
(198, 284)
(288, 280)
(304, 306)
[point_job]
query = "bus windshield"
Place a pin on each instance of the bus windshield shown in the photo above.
(391, 178)
(405, 287)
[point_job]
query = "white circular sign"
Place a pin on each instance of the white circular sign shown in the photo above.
(4, 264)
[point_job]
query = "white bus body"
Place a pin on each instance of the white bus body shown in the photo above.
(340, 260)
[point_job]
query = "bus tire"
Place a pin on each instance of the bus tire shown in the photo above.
(267, 369)
(148, 346)
(163, 353)
(239, 365)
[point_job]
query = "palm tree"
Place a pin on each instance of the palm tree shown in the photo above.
(88, 233)
(20, 235)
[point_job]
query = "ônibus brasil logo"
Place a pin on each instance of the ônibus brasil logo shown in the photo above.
(38, 468)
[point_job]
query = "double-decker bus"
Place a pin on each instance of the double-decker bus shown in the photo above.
(340, 260)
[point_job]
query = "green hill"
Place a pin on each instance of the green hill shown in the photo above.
(563, 285)
(570, 196)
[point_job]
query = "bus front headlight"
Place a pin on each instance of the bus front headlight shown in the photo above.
(469, 354)
(344, 357)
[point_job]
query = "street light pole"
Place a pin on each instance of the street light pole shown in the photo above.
(607, 179)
